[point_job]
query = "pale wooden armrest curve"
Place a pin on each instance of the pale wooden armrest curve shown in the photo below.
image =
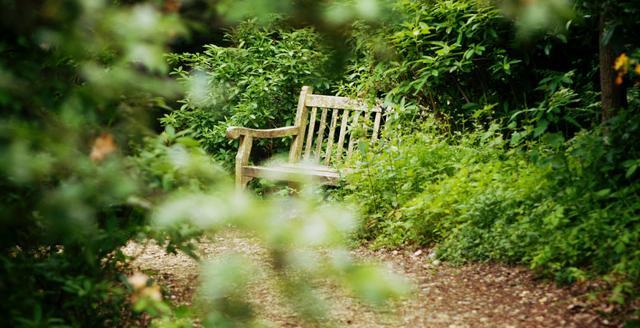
(233, 132)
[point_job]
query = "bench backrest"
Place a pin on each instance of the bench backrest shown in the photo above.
(327, 125)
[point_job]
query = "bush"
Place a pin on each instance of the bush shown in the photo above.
(254, 82)
(442, 55)
(568, 210)
(408, 165)
(82, 174)
(74, 84)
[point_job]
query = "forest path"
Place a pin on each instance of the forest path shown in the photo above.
(475, 295)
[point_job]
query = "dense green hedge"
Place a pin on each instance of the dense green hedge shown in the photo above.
(496, 149)
(567, 209)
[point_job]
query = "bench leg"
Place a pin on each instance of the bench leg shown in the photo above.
(242, 158)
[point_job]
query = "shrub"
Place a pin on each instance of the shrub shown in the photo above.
(254, 82)
(441, 55)
(408, 165)
(568, 210)
(81, 175)
(74, 83)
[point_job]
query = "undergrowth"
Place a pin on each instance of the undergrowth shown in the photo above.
(569, 210)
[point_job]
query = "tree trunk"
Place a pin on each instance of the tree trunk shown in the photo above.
(613, 96)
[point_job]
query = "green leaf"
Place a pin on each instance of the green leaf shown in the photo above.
(541, 127)
(631, 170)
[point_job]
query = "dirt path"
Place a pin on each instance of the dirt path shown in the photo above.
(478, 295)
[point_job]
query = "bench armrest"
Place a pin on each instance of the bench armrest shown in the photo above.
(234, 132)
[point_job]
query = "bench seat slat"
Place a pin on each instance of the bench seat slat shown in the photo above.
(293, 173)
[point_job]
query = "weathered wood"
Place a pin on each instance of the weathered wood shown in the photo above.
(301, 123)
(312, 126)
(323, 124)
(354, 125)
(242, 159)
(338, 103)
(295, 171)
(332, 133)
(310, 166)
(343, 132)
(376, 127)
(235, 132)
(299, 173)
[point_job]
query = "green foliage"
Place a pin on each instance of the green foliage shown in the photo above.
(409, 165)
(253, 82)
(172, 161)
(569, 210)
(82, 174)
(74, 76)
(579, 215)
(443, 55)
(562, 110)
(538, 17)
(334, 12)
(303, 238)
(495, 151)
(464, 61)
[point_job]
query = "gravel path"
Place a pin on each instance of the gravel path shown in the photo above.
(476, 295)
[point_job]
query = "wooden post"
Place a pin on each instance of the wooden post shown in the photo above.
(301, 123)
(242, 159)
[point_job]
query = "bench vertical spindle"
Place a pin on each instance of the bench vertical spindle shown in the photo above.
(376, 127)
(323, 125)
(354, 125)
(343, 132)
(312, 125)
(332, 133)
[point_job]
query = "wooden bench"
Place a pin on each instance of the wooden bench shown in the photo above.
(315, 131)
